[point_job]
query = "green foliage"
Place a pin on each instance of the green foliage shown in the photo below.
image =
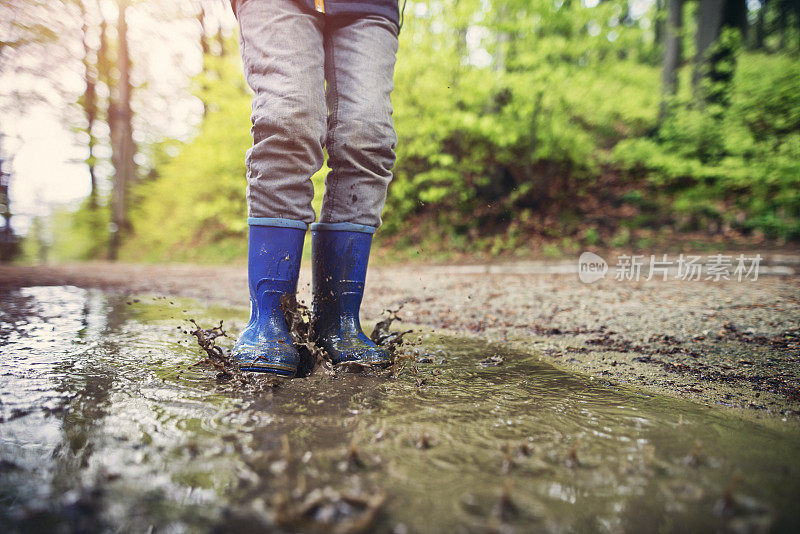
(76, 235)
(736, 165)
(484, 124)
(33, 246)
(517, 121)
(193, 209)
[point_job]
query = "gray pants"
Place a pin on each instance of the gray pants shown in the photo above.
(288, 54)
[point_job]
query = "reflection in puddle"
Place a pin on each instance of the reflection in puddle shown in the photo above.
(107, 425)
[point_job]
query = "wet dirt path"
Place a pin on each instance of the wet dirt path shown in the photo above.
(729, 344)
(107, 423)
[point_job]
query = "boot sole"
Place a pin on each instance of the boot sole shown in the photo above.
(277, 370)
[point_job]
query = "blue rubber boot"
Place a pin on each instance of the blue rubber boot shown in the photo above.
(275, 249)
(340, 252)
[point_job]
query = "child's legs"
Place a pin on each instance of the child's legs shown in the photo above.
(359, 67)
(283, 55)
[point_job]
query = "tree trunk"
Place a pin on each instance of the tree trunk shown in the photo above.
(201, 18)
(785, 9)
(221, 41)
(89, 104)
(206, 49)
(501, 42)
(673, 55)
(661, 24)
(760, 26)
(709, 22)
(5, 212)
(123, 148)
(712, 17)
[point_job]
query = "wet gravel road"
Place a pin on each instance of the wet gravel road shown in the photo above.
(726, 343)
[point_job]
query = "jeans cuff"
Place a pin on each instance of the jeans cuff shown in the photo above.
(343, 227)
(274, 221)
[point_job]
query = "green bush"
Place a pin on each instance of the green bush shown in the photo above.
(737, 165)
(82, 234)
(520, 123)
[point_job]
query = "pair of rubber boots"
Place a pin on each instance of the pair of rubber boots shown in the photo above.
(340, 253)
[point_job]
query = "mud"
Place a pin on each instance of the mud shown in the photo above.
(109, 424)
(665, 337)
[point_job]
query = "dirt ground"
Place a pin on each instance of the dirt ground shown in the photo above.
(726, 343)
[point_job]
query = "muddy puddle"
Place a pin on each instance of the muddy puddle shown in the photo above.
(106, 425)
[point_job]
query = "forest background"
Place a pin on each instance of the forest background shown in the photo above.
(526, 128)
